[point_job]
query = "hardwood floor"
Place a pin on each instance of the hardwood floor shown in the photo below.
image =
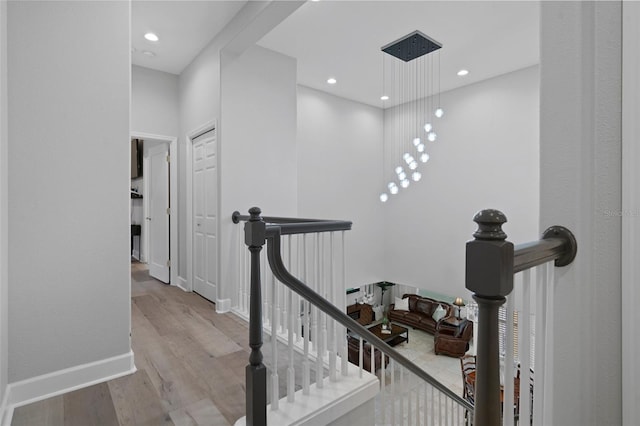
(190, 363)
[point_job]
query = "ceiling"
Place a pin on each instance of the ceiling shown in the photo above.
(184, 28)
(342, 39)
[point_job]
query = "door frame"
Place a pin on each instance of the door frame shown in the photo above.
(173, 200)
(630, 213)
(208, 126)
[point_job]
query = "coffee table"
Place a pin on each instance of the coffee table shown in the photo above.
(398, 334)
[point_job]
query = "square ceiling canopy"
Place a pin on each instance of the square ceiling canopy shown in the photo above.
(411, 46)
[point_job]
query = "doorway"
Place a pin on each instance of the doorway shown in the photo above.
(202, 211)
(158, 145)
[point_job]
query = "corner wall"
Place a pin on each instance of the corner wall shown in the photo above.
(258, 145)
(580, 188)
(68, 203)
(4, 263)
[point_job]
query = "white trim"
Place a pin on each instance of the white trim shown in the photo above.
(324, 405)
(210, 125)
(6, 412)
(173, 199)
(182, 284)
(52, 384)
(630, 210)
(223, 306)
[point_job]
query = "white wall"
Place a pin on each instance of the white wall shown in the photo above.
(580, 156)
(339, 161)
(486, 156)
(4, 282)
(630, 205)
(257, 145)
(154, 102)
(69, 295)
(199, 103)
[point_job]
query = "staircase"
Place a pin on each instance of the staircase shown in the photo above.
(299, 303)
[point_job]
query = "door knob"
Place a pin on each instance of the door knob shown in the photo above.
(148, 218)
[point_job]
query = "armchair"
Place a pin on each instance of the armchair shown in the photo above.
(453, 342)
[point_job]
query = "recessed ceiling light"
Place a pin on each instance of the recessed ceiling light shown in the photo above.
(384, 98)
(332, 81)
(148, 53)
(463, 72)
(151, 37)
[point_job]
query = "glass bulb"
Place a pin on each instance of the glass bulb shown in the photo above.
(424, 157)
(432, 136)
(420, 147)
(406, 155)
(416, 176)
(405, 183)
(393, 190)
(439, 112)
(413, 165)
(391, 185)
(384, 197)
(428, 127)
(416, 141)
(402, 175)
(398, 169)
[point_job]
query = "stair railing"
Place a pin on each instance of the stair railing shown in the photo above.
(408, 394)
(491, 264)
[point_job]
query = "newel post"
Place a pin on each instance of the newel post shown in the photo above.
(489, 275)
(256, 372)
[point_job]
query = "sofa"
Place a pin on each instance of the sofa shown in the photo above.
(353, 346)
(420, 313)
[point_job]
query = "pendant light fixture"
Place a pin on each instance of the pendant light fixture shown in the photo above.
(411, 102)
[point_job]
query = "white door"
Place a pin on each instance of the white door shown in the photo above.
(158, 217)
(205, 215)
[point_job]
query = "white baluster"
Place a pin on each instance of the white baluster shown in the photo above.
(360, 356)
(275, 383)
(383, 396)
(372, 365)
(524, 332)
(548, 356)
(540, 347)
(433, 406)
(343, 286)
(332, 324)
(409, 407)
(508, 366)
(290, 371)
(393, 393)
(403, 388)
(306, 372)
(319, 319)
(244, 282)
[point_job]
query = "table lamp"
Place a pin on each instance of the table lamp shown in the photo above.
(459, 303)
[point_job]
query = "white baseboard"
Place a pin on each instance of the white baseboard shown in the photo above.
(136, 255)
(52, 384)
(223, 306)
(182, 284)
(6, 414)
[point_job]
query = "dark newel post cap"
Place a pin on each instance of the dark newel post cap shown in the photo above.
(490, 225)
(255, 230)
(489, 257)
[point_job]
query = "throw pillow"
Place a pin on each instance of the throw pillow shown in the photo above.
(439, 313)
(402, 304)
